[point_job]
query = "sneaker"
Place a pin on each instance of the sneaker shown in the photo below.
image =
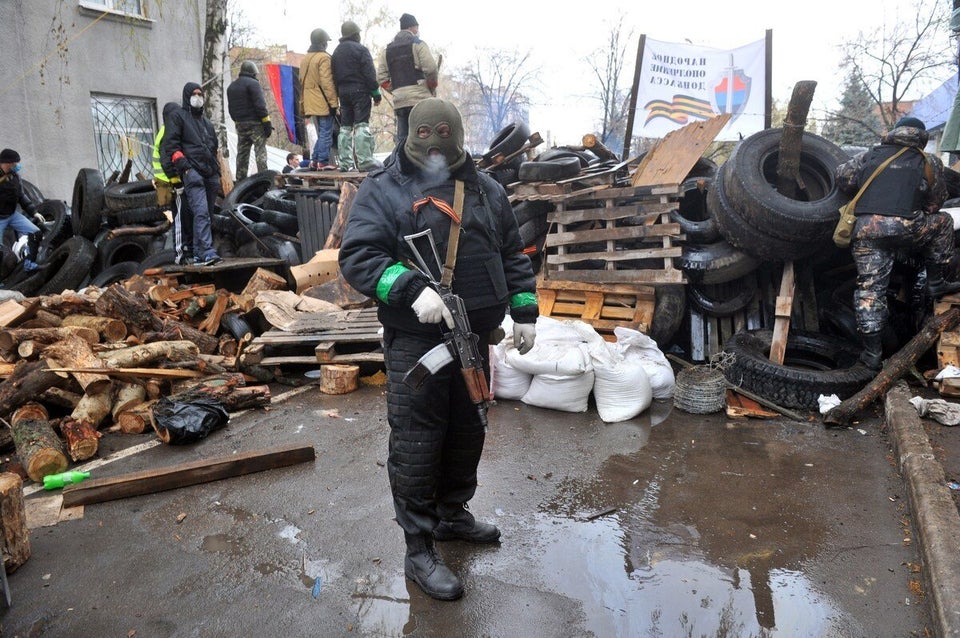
(210, 261)
(326, 167)
(184, 260)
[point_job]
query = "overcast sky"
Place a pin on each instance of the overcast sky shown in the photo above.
(561, 35)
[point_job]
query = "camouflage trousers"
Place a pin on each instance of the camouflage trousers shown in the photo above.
(877, 239)
(250, 134)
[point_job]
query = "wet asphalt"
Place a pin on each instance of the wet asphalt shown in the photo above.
(668, 525)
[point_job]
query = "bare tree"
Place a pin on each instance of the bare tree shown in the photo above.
(497, 90)
(607, 65)
(902, 55)
(214, 53)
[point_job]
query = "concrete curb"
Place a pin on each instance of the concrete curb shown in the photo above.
(934, 512)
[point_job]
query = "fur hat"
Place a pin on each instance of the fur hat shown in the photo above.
(407, 21)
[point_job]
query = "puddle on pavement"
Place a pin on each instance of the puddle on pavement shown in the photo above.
(223, 544)
(699, 532)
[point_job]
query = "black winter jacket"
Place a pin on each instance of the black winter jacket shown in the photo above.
(11, 194)
(245, 100)
(491, 267)
(353, 70)
(190, 132)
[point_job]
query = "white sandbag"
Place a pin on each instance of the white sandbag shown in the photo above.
(557, 350)
(567, 393)
(508, 382)
(622, 391)
(633, 345)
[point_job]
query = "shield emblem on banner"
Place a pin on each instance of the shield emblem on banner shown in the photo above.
(731, 91)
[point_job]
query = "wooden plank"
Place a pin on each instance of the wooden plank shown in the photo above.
(697, 336)
(137, 372)
(673, 156)
(781, 325)
(620, 276)
(739, 406)
(10, 311)
(643, 211)
(626, 289)
(99, 490)
(620, 255)
(274, 338)
(311, 360)
(622, 232)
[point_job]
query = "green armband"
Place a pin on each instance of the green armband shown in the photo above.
(523, 299)
(388, 278)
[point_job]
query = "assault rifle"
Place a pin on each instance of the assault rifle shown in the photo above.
(459, 343)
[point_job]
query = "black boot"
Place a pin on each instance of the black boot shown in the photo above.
(424, 566)
(457, 523)
(872, 354)
(937, 286)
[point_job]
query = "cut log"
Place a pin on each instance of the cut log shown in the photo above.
(177, 331)
(228, 389)
(69, 304)
(137, 419)
(159, 292)
(31, 411)
(44, 319)
(211, 324)
(38, 447)
(128, 395)
(789, 182)
(227, 346)
(263, 279)
(339, 379)
(108, 328)
(61, 398)
(153, 388)
(147, 353)
(9, 339)
(13, 518)
(592, 142)
(28, 381)
(348, 192)
(30, 350)
(199, 303)
(184, 474)
(119, 303)
(74, 352)
(82, 438)
(894, 367)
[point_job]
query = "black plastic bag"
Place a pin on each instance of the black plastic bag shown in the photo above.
(179, 423)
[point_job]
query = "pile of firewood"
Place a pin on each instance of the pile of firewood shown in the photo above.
(75, 364)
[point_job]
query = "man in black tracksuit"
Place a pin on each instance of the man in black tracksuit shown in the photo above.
(189, 149)
(436, 436)
(899, 210)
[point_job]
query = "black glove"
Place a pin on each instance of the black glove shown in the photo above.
(376, 100)
(267, 128)
(182, 165)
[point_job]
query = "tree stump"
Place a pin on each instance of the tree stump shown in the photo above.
(13, 518)
(339, 378)
(136, 420)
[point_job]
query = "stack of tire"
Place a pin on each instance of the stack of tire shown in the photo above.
(753, 217)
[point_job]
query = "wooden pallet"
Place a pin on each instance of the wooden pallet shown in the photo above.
(356, 340)
(588, 180)
(603, 307)
(948, 346)
(628, 229)
(317, 180)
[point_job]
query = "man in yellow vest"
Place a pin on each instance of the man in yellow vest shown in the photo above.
(169, 191)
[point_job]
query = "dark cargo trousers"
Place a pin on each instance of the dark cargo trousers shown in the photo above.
(876, 241)
(436, 437)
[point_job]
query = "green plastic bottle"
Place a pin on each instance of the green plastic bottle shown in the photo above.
(56, 481)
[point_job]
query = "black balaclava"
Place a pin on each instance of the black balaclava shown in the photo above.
(433, 152)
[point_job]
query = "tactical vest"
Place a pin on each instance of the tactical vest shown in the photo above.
(896, 191)
(400, 63)
(158, 173)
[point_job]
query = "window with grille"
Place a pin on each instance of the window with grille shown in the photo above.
(123, 129)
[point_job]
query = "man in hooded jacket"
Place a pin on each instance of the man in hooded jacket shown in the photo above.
(319, 98)
(248, 110)
(356, 81)
(189, 149)
(436, 434)
(897, 211)
(407, 69)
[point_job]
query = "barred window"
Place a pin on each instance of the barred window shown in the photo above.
(123, 129)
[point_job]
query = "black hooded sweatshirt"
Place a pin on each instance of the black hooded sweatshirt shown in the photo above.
(189, 133)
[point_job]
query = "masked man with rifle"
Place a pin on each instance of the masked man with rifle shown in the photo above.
(437, 429)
